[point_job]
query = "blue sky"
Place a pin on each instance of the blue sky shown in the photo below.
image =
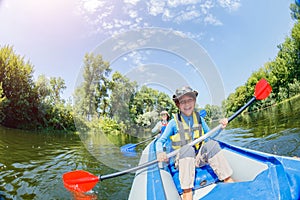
(239, 36)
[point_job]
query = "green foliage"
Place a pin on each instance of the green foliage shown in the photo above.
(213, 112)
(28, 105)
(60, 117)
(19, 89)
(91, 96)
(295, 11)
(147, 100)
(147, 119)
(3, 104)
(111, 126)
(237, 99)
(57, 86)
(43, 88)
(294, 88)
(121, 92)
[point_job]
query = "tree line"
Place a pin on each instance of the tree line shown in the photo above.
(28, 104)
(110, 101)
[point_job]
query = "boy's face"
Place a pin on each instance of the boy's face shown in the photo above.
(187, 105)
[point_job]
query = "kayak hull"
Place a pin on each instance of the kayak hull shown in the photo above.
(258, 175)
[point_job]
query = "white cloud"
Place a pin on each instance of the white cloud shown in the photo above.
(206, 7)
(132, 13)
(231, 5)
(197, 35)
(137, 58)
(125, 22)
(186, 16)
(210, 19)
(167, 15)
(133, 2)
(156, 7)
(115, 17)
(176, 3)
(106, 25)
(138, 20)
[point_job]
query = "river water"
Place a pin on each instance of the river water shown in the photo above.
(32, 164)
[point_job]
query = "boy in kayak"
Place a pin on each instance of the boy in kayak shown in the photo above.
(186, 126)
(161, 125)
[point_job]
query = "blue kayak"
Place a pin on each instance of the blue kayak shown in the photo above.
(258, 175)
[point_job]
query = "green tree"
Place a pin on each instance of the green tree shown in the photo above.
(214, 112)
(18, 87)
(147, 100)
(91, 95)
(296, 50)
(59, 117)
(57, 86)
(122, 90)
(235, 100)
(56, 114)
(294, 88)
(295, 11)
(43, 88)
(3, 103)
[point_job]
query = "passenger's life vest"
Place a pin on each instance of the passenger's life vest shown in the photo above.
(183, 135)
(164, 125)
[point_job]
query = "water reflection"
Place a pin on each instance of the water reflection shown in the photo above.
(101, 147)
(273, 130)
(32, 165)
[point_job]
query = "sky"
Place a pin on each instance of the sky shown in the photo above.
(212, 45)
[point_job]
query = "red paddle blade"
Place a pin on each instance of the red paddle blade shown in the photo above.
(262, 89)
(79, 181)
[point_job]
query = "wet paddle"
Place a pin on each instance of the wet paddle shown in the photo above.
(130, 147)
(82, 181)
(202, 113)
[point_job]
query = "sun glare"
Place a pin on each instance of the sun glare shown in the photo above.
(91, 6)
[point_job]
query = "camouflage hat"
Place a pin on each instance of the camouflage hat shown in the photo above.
(186, 90)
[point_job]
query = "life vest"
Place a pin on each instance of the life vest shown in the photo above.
(183, 135)
(164, 125)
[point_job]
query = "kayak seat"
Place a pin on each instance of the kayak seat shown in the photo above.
(204, 176)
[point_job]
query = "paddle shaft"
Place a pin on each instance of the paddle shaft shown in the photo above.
(103, 177)
(144, 141)
(132, 146)
(241, 109)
